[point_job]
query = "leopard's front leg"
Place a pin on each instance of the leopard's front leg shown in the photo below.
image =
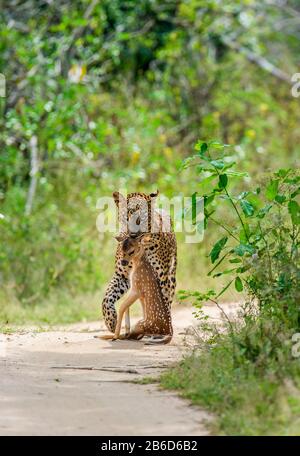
(118, 285)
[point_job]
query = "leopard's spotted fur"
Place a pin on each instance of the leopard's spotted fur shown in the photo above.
(161, 250)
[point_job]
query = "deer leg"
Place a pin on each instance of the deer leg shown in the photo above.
(127, 323)
(138, 331)
(123, 308)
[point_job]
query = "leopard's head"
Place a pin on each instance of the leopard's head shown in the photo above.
(135, 212)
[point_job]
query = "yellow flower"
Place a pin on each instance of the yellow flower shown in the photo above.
(250, 133)
(77, 73)
(168, 152)
(135, 157)
(162, 138)
(263, 107)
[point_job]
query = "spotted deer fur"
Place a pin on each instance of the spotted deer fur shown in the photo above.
(144, 286)
(161, 250)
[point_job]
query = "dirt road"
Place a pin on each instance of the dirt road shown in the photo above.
(67, 382)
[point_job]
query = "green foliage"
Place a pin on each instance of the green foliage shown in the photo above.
(217, 248)
(244, 401)
(266, 236)
(246, 374)
(114, 92)
(238, 284)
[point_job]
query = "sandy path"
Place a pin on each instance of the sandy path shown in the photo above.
(66, 382)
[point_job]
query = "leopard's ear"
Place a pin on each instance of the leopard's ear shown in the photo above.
(154, 194)
(118, 197)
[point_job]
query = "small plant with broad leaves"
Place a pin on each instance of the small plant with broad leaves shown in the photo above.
(259, 246)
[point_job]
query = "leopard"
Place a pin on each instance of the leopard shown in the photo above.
(137, 215)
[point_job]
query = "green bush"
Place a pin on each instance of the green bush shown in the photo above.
(244, 369)
(242, 399)
(259, 250)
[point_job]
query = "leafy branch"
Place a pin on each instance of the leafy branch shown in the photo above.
(255, 238)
